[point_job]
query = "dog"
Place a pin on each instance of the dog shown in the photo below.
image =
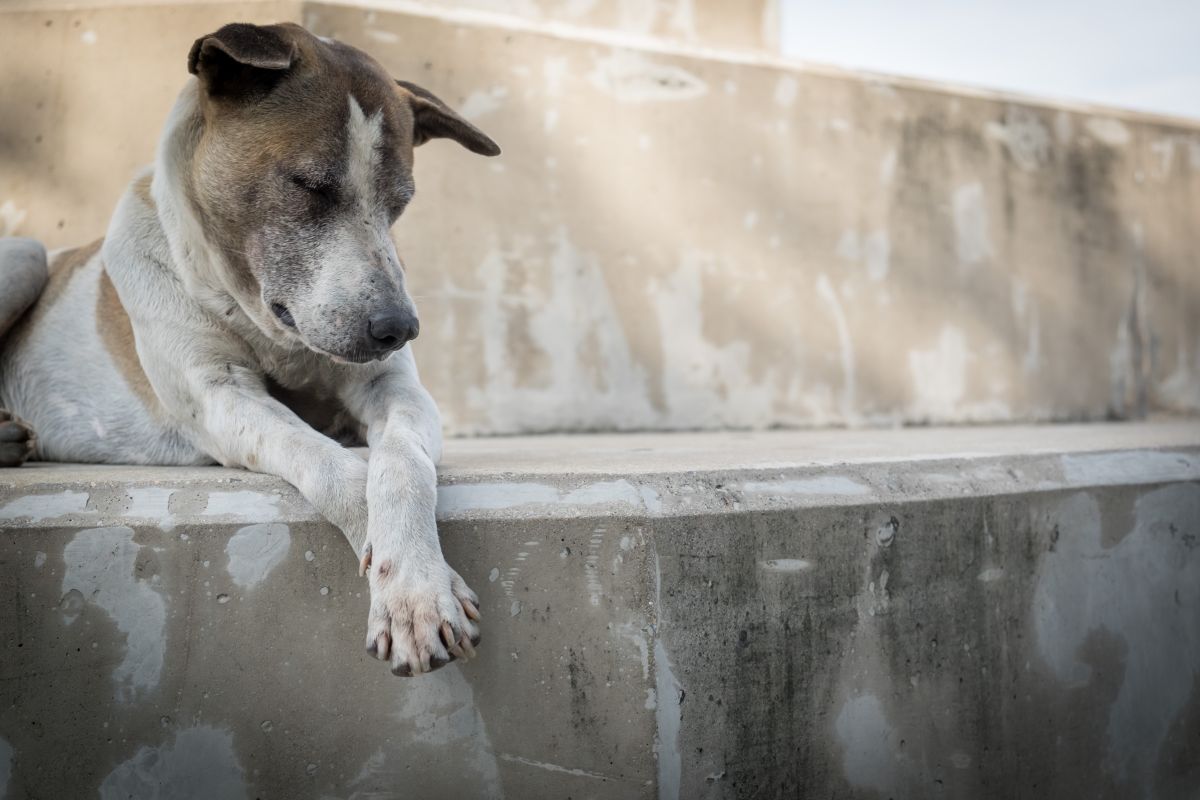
(247, 307)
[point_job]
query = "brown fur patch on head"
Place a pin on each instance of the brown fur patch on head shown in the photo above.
(274, 100)
(116, 332)
(301, 162)
(255, 150)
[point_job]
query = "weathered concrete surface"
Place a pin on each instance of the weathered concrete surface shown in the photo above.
(708, 242)
(747, 25)
(682, 238)
(960, 613)
(84, 94)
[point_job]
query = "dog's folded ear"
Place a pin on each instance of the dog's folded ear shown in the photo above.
(241, 58)
(433, 119)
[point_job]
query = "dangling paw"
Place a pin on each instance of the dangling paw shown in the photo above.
(422, 615)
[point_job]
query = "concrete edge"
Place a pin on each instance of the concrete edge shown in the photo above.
(170, 497)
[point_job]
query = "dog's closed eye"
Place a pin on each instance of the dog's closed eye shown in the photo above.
(285, 316)
(319, 189)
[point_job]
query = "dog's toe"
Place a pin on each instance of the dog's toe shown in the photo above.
(17, 440)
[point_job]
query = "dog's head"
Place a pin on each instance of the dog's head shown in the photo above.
(302, 165)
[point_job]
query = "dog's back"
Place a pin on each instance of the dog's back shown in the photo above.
(63, 334)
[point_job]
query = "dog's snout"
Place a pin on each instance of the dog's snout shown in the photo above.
(391, 330)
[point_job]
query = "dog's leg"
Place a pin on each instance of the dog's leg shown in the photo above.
(17, 440)
(421, 610)
(423, 613)
(23, 275)
(244, 426)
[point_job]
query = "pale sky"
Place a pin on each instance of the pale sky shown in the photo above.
(1142, 54)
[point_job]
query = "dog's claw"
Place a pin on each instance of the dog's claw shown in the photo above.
(381, 647)
(364, 563)
(452, 646)
(471, 610)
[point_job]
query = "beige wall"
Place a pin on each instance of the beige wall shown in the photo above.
(83, 96)
(733, 24)
(681, 241)
(748, 25)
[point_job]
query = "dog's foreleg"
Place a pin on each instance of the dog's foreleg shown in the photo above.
(422, 612)
(242, 425)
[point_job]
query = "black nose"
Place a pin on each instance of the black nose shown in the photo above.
(391, 330)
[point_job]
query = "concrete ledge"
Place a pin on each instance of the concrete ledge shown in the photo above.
(918, 612)
(646, 475)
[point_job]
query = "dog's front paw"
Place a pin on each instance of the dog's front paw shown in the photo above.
(422, 616)
(17, 440)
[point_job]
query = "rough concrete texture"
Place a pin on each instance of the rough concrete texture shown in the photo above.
(936, 613)
(682, 238)
(747, 25)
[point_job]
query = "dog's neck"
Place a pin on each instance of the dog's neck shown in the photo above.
(200, 265)
(203, 269)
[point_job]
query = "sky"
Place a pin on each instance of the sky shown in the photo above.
(1143, 55)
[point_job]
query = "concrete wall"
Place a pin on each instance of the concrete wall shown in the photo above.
(747, 25)
(926, 614)
(676, 239)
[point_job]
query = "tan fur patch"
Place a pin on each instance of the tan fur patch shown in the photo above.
(141, 189)
(116, 332)
(62, 268)
(243, 143)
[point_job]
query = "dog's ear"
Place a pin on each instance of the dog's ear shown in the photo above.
(433, 119)
(241, 58)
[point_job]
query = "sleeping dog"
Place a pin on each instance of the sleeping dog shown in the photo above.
(247, 306)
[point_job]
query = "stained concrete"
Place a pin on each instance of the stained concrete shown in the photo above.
(749, 25)
(683, 232)
(679, 236)
(961, 612)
